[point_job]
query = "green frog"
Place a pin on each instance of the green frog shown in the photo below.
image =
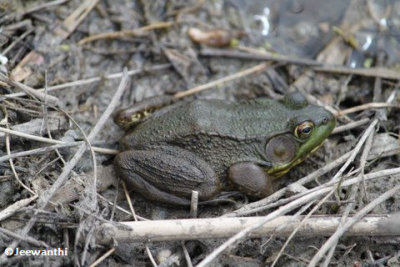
(215, 145)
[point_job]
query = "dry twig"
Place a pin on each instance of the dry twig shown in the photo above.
(125, 33)
(237, 75)
(133, 213)
(52, 141)
(103, 257)
(366, 106)
(93, 80)
(192, 229)
(12, 209)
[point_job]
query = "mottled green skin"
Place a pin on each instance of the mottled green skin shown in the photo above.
(223, 133)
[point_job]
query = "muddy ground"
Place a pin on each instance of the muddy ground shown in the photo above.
(343, 55)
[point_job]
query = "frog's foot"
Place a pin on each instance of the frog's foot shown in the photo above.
(130, 117)
(250, 179)
(167, 174)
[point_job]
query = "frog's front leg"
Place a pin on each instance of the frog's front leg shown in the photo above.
(250, 179)
(167, 174)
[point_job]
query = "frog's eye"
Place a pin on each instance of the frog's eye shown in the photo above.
(304, 129)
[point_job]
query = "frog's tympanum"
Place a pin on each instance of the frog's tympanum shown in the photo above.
(215, 145)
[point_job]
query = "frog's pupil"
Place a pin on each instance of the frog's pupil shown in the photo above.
(307, 130)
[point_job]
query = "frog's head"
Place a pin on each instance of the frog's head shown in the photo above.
(307, 127)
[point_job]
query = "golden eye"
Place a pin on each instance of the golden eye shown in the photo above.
(304, 129)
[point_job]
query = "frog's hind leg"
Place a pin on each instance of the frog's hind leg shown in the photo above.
(167, 174)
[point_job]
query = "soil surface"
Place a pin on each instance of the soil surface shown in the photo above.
(61, 65)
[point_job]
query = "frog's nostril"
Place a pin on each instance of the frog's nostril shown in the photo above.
(325, 120)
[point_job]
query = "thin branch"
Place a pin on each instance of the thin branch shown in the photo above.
(102, 258)
(204, 228)
(350, 125)
(366, 106)
(12, 209)
(93, 80)
(262, 56)
(30, 91)
(237, 75)
(125, 33)
(53, 141)
(368, 72)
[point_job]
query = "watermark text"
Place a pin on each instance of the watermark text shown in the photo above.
(36, 252)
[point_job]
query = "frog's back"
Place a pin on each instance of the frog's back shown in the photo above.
(210, 117)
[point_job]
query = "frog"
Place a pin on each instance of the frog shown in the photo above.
(211, 146)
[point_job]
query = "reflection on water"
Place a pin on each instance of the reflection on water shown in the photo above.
(299, 27)
(264, 20)
(304, 27)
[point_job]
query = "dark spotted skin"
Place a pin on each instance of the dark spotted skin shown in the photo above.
(216, 133)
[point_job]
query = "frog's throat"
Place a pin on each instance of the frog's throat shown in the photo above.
(283, 169)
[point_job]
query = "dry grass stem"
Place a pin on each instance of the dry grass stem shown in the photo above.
(53, 141)
(368, 72)
(12, 209)
(37, 151)
(187, 256)
(133, 213)
(125, 33)
(194, 203)
(237, 75)
(350, 125)
(43, 6)
(16, 41)
(16, 176)
(128, 198)
(103, 257)
(214, 52)
(366, 106)
(105, 200)
(153, 262)
(52, 100)
(93, 80)
(75, 18)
